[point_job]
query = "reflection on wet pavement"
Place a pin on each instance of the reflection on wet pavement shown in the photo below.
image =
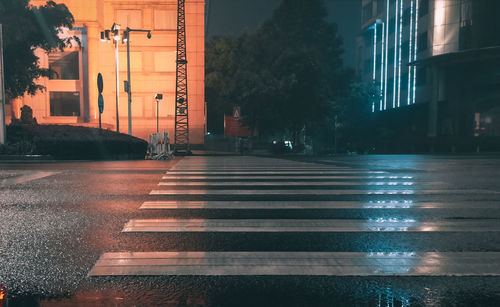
(267, 232)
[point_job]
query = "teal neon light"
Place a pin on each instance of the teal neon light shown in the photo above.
(415, 53)
(400, 51)
(410, 51)
(396, 21)
(382, 55)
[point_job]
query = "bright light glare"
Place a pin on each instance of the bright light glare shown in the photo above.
(390, 224)
(391, 254)
(392, 204)
(398, 192)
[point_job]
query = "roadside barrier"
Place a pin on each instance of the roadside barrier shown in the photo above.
(159, 146)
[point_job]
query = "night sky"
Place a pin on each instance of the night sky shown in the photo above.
(235, 16)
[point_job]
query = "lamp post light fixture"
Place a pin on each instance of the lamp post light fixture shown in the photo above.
(128, 87)
(115, 36)
(105, 37)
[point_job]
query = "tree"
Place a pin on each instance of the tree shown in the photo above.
(286, 76)
(357, 119)
(221, 65)
(25, 28)
(305, 55)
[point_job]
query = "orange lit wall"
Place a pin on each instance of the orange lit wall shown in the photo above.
(152, 66)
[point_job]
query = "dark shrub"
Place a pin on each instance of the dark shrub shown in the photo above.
(27, 115)
(75, 142)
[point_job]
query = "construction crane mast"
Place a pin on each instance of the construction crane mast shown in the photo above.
(181, 85)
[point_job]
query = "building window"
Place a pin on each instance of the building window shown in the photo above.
(165, 19)
(64, 104)
(404, 85)
(406, 17)
(165, 61)
(390, 56)
(390, 87)
(405, 52)
(465, 34)
(421, 76)
(465, 37)
(65, 65)
(381, 5)
(129, 18)
(424, 8)
(368, 38)
(422, 42)
(368, 12)
(392, 26)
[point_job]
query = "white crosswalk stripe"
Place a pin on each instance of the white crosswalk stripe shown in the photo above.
(317, 225)
(284, 177)
(277, 172)
(210, 184)
(331, 192)
(292, 183)
(308, 205)
(297, 263)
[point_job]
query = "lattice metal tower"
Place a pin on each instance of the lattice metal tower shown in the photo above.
(181, 85)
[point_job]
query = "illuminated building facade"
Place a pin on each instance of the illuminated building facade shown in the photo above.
(441, 56)
(72, 94)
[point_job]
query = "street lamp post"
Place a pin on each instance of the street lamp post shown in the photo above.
(115, 29)
(128, 89)
(158, 97)
(117, 71)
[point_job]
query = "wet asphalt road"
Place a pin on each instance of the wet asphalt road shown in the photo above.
(58, 218)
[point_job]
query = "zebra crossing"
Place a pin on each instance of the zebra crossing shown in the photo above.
(257, 185)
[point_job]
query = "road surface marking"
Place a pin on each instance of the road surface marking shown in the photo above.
(312, 172)
(255, 192)
(286, 177)
(25, 178)
(298, 263)
(304, 205)
(299, 183)
(259, 169)
(316, 225)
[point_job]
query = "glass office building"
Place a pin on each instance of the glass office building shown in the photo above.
(439, 55)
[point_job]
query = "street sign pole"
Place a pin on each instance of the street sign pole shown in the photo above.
(100, 99)
(3, 135)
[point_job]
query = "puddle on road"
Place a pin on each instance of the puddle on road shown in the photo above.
(276, 291)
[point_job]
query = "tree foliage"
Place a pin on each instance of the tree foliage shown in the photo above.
(287, 75)
(25, 28)
(358, 132)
